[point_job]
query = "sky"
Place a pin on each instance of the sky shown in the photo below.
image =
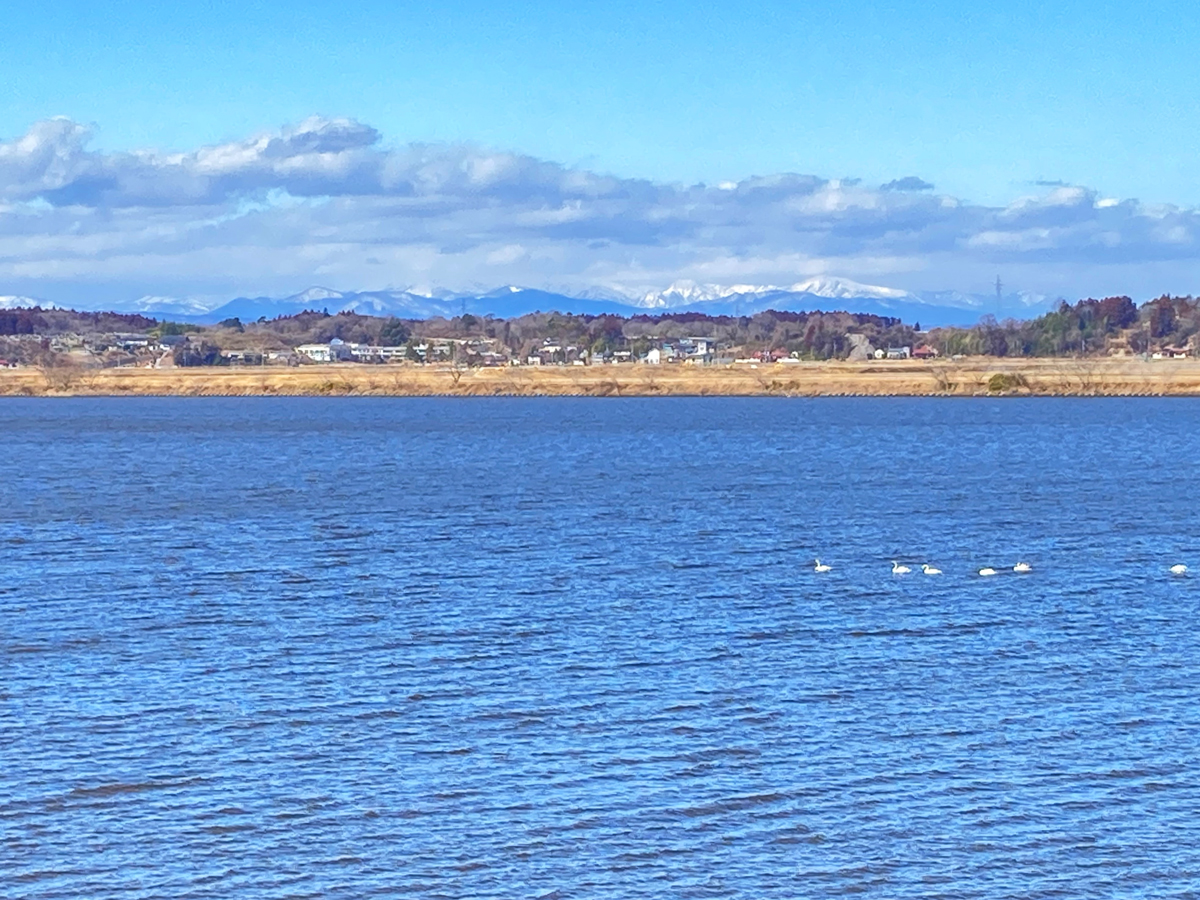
(111, 116)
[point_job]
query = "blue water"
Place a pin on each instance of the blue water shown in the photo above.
(575, 648)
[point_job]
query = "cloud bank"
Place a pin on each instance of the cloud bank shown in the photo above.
(328, 202)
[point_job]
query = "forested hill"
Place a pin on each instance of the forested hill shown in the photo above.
(35, 320)
(1089, 327)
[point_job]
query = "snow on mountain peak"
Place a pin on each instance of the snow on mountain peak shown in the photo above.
(317, 293)
(684, 292)
(681, 293)
(13, 302)
(842, 288)
(150, 303)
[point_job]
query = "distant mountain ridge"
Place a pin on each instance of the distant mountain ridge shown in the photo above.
(826, 294)
(14, 302)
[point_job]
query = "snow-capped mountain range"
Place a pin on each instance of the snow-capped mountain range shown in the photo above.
(687, 293)
(826, 293)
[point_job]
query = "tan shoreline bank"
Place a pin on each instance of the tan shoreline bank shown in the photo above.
(968, 377)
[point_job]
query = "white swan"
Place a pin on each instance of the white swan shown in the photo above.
(821, 567)
(1180, 569)
(1022, 567)
(898, 569)
(930, 570)
(987, 570)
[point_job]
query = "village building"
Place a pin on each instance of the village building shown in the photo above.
(244, 358)
(132, 341)
(318, 353)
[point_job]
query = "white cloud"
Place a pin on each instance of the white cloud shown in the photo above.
(327, 198)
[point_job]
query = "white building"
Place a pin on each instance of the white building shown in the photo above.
(335, 350)
(338, 350)
(316, 352)
(387, 354)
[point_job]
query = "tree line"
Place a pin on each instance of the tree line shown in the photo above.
(1087, 328)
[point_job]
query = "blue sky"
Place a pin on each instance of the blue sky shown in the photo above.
(982, 104)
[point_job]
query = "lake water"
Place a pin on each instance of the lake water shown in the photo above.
(575, 648)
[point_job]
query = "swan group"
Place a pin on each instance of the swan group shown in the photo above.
(1021, 568)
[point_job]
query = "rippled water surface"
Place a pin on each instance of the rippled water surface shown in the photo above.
(576, 649)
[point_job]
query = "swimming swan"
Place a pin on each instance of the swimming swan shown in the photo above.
(930, 570)
(898, 569)
(821, 567)
(987, 570)
(1022, 567)
(1180, 569)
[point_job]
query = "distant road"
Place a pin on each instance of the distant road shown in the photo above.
(967, 377)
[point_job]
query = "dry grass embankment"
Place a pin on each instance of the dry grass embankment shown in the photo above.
(976, 376)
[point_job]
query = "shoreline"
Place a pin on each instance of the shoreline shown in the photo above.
(973, 377)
